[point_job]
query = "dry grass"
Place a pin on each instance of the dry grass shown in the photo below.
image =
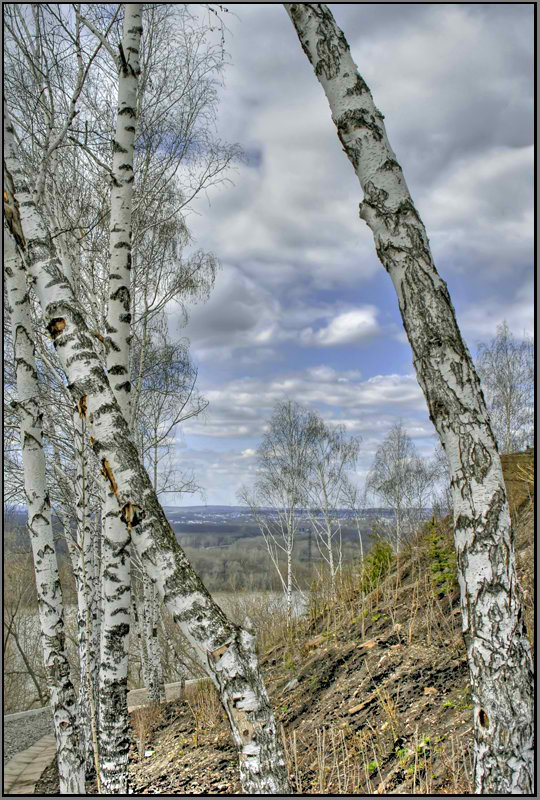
(144, 721)
(263, 612)
(523, 523)
(205, 705)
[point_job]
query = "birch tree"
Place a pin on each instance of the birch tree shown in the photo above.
(75, 111)
(498, 651)
(333, 456)
(114, 729)
(227, 653)
(280, 490)
(506, 368)
(401, 479)
(50, 604)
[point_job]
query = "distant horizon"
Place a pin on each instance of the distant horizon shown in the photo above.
(16, 507)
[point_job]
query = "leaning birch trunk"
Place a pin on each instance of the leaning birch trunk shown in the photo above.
(226, 652)
(114, 736)
(497, 647)
(51, 612)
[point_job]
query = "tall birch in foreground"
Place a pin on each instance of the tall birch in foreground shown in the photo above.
(226, 652)
(498, 651)
(51, 611)
(114, 736)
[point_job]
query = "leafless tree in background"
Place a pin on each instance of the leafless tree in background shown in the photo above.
(506, 368)
(284, 460)
(402, 480)
(334, 455)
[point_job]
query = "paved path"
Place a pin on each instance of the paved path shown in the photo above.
(24, 770)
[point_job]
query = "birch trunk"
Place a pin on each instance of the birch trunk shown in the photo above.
(116, 592)
(118, 325)
(114, 735)
(51, 611)
(83, 699)
(86, 590)
(136, 623)
(289, 585)
(155, 684)
(497, 647)
(226, 652)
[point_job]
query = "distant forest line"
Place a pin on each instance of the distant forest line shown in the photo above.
(227, 556)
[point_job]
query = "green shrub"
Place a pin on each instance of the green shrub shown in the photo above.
(376, 565)
(442, 558)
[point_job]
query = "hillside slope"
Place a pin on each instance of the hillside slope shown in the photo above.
(370, 688)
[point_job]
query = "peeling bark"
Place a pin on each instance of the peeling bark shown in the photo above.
(235, 670)
(493, 627)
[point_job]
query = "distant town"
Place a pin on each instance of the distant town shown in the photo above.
(202, 515)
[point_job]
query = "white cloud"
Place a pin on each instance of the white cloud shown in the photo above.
(240, 407)
(346, 328)
(242, 319)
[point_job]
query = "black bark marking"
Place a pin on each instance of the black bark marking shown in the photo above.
(390, 164)
(132, 515)
(354, 119)
(118, 369)
(123, 296)
(360, 86)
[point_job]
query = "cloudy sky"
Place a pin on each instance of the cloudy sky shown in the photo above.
(302, 308)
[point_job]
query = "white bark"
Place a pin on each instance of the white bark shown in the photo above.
(227, 653)
(84, 567)
(137, 627)
(119, 310)
(116, 575)
(51, 612)
(497, 647)
(154, 673)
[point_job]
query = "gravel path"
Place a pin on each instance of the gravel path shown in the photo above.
(25, 729)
